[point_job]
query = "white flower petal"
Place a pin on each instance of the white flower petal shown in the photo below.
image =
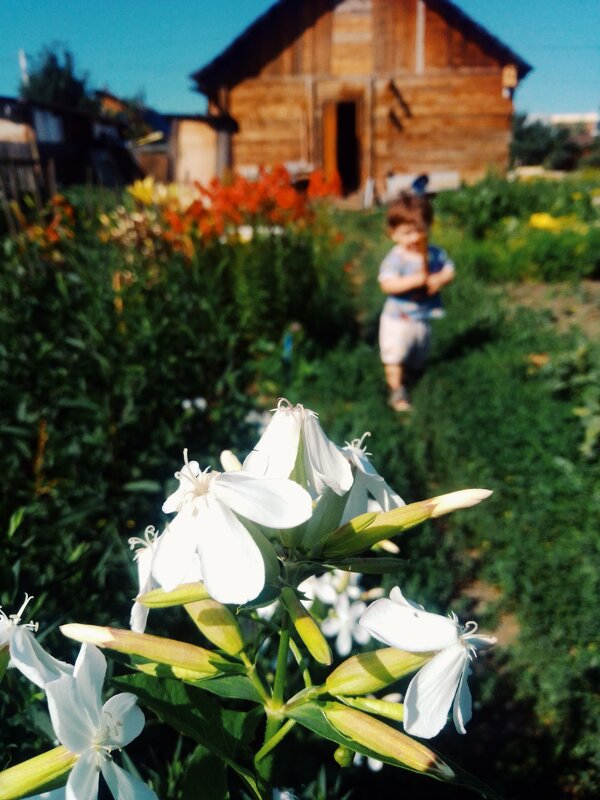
(331, 626)
(90, 671)
(343, 643)
(30, 658)
(325, 464)
(358, 499)
(123, 785)
(83, 780)
(275, 453)
(408, 628)
(144, 558)
(276, 503)
(72, 727)
(138, 618)
(175, 550)
(122, 715)
(232, 565)
(383, 493)
(397, 597)
(6, 631)
(187, 473)
(462, 708)
(430, 693)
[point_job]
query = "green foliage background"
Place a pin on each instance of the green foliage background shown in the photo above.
(108, 391)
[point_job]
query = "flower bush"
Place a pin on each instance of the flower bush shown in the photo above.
(240, 540)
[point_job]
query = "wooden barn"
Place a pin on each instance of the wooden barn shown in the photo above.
(367, 88)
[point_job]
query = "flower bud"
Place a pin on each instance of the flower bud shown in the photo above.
(153, 648)
(28, 777)
(230, 462)
(344, 756)
(465, 498)
(381, 708)
(369, 672)
(385, 741)
(306, 627)
(361, 533)
(218, 624)
(186, 593)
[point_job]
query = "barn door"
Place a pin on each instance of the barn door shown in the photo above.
(341, 142)
(330, 166)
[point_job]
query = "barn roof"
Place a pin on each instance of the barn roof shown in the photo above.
(239, 59)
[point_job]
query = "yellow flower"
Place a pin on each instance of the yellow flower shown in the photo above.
(143, 190)
(544, 222)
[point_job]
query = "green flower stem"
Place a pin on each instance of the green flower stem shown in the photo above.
(274, 740)
(274, 717)
(301, 663)
(282, 657)
(255, 678)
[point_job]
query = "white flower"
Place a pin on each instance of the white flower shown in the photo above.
(26, 654)
(343, 624)
(92, 730)
(206, 504)
(328, 587)
(373, 763)
(367, 481)
(144, 555)
(406, 625)
(276, 452)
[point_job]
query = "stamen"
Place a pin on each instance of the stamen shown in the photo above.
(150, 537)
(357, 444)
(16, 618)
(470, 627)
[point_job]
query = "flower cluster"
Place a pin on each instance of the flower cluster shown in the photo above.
(174, 218)
(255, 551)
(52, 228)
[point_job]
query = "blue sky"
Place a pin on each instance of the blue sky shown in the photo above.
(130, 45)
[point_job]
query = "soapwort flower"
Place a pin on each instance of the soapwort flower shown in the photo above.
(26, 654)
(206, 504)
(92, 730)
(343, 623)
(145, 550)
(275, 454)
(367, 481)
(406, 625)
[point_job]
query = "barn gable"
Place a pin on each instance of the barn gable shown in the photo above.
(365, 88)
(283, 41)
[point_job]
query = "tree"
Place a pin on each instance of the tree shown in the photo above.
(532, 142)
(536, 143)
(53, 79)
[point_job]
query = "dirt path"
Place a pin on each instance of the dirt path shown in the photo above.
(571, 305)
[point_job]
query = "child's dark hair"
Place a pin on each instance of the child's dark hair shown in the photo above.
(410, 209)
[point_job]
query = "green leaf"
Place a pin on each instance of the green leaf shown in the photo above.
(194, 713)
(147, 487)
(368, 566)
(237, 687)
(4, 659)
(14, 522)
(205, 777)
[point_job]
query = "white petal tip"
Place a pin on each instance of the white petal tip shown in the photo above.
(446, 503)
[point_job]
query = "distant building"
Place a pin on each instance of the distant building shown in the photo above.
(64, 146)
(366, 88)
(190, 148)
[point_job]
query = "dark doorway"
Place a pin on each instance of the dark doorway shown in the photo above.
(347, 146)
